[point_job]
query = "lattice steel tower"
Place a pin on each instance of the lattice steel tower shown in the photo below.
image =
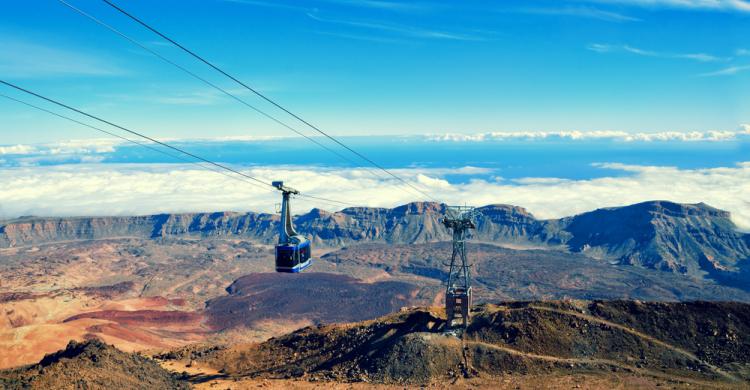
(459, 219)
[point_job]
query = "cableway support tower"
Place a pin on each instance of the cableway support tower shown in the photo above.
(459, 220)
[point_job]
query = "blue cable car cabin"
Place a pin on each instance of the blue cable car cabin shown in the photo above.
(293, 258)
(293, 251)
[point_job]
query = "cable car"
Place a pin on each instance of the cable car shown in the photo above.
(293, 250)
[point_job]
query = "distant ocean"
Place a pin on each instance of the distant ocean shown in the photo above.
(510, 159)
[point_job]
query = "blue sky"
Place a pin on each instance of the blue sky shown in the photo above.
(360, 67)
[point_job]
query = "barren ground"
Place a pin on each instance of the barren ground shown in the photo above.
(151, 295)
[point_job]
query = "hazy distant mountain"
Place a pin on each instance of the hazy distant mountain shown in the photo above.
(691, 239)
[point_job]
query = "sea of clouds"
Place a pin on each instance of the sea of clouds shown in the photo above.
(137, 189)
(109, 145)
(742, 132)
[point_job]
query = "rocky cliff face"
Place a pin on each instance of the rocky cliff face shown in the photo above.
(682, 238)
(35, 231)
(689, 239)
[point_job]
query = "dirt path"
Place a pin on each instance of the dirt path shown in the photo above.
(589, 361)
(642, 335)
(202, 376)
(184, 282)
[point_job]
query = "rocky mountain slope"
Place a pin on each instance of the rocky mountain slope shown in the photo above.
(661, 235)
(691, 239)
(91, 365)
(690, 343)
(559, 344)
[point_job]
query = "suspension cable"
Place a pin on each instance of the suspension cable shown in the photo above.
(267, 99)
(203, 80)
(164, 152)
(213, 85)
(218, 165)
(132, 132)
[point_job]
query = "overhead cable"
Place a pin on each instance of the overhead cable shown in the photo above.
(264, 97)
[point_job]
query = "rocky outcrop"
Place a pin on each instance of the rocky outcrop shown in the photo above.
(91, 365)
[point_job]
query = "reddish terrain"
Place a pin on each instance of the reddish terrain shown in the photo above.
(152, 295)
(145, 294)
(142, 317)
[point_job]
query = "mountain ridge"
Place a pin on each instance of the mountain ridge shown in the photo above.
(691, 239)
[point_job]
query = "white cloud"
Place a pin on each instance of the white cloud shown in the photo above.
(269, 4)
(17, 149)
(84, 146)
(188, 99)
(430, 182)
(711, 5)
(581, 12)
(540, 180)
(591, 135)
(63, 152)
(411, 6)
(600, 47)
(385, 5)
(372, 4)
(131, 189)
(728, 71)
(75, 146)
(610, 48)
(22, 58)
(401, 30)
(362, 37)
(182, 97)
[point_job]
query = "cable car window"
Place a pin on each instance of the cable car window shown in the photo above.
(285, 257)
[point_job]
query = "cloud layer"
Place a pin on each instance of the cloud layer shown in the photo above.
(700, 57)
(109, 145)
(580, 12)
(22, 58)
(732, 68)
(743, 132)
(81, 147)
(130, 189)
(711, 5)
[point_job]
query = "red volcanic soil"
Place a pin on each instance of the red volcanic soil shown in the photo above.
(178, 301)
(316, 297)
(136, 336)
(141, 317)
